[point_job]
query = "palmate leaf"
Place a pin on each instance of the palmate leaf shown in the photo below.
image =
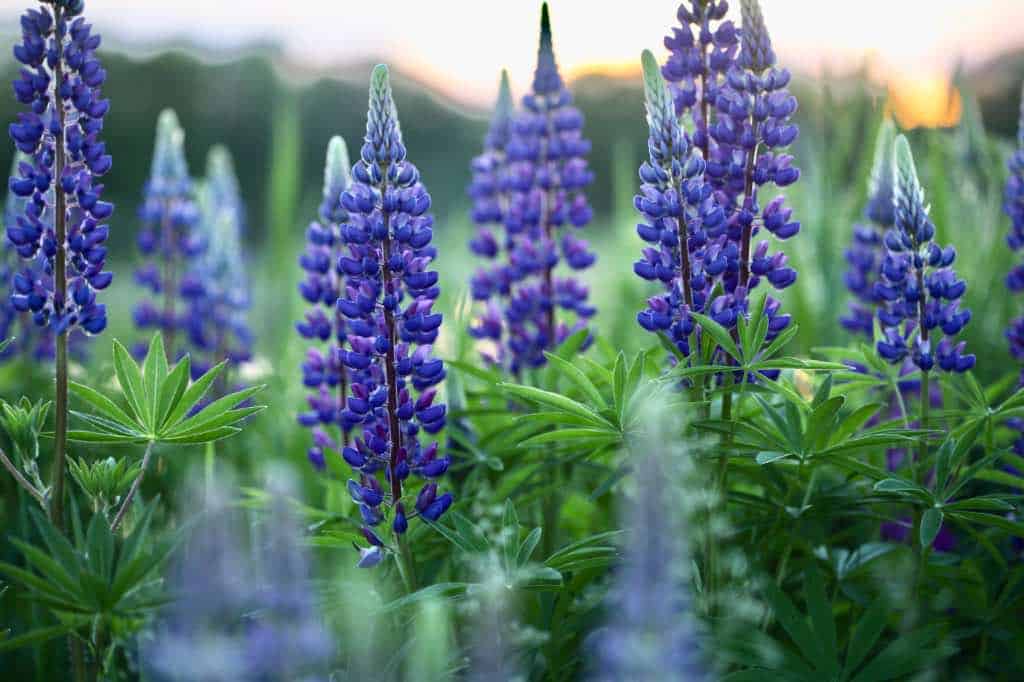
(161, 405)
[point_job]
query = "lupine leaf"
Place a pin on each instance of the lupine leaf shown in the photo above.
(194, 393)
(172, 388)
(557, 401)
(865, 634)
(577, 377)
(720, 335)
(154, 371)
(931, 523)
(101, 403)
(130, 378)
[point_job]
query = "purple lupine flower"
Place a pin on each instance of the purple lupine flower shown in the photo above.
(866, 252)
(683, 223)
(547, 175)
(1013, 205)
(64, 217)
(490, 191)
(168, 240)
(751, 129)
(216, 288)
(387, 300)
(242, 612)
(324, 326)
(920, 290)
(702, 50)
(652, 633)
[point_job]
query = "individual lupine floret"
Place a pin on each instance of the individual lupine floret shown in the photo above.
(217, 289)
(169, 238)
(918, 285)
(866, 252)
(681, 217)
(64, 216)
(752, 126)
(548, 174)
(388, 301)
(490, 191)
(702, 50)
(324, 326)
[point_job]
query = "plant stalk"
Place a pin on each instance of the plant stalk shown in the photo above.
(133, 490)
(21, 480)
(60, 286)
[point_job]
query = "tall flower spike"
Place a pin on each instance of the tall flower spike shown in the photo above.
(63, 216)
(1013, 205)
(387, 301)
(679, 212)
(168, 240)
(548, 173)
(701, 51)
(324, 325)
(217, 289)
(751, 128)
(490, 193)
(919, 288)
(865, 254)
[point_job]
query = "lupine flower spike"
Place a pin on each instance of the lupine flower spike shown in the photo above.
(547, 175)
(490, 191)
(324, 326)
(865, 255)
(387, 300)
(679, 211)
(217, 288)
(1013, 205)
(920, 290)
(64, 219)
(169, 240)
(727, 83)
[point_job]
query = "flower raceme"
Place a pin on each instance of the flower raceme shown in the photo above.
(866, 252)
(542, 175)
(324, 326)
(64, 217)
(387, 301)
(727, 83)
(1013, 205)
(169, 239)
(918, 286)
(217, 289)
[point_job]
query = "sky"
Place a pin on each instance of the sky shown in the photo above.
(461, 45)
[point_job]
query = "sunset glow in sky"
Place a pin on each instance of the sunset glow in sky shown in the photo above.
(460, 45)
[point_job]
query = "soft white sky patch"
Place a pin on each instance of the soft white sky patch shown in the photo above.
(461, 45)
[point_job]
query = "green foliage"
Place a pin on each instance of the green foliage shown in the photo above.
(23, 422)
(96, 585)
(160, 404)
(104, 480)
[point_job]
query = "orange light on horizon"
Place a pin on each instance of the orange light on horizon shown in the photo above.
(930, 101)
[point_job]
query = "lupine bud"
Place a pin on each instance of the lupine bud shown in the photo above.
(169, 240)
(539, 172)
(866, 253)
(387, 304)
(60, 85)
(218, 288)
(327, 269)
(919, 289)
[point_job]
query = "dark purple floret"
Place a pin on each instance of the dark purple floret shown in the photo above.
(528, 193)
(59, 84)
(387, 300)
(918, 287)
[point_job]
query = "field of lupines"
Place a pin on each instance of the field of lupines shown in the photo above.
(674, 451)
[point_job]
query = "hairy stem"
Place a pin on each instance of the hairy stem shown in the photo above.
(133, 490)
(749, 201)
(60, 286)
(21, 480)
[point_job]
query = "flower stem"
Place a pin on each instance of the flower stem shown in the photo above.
(133, 490)
(60, 286)
(21, 480)
(406, 564)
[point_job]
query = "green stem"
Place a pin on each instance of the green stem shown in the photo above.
(406, 565)
(21, 480)
(208, 463)
(133, 490)
(60, 286)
